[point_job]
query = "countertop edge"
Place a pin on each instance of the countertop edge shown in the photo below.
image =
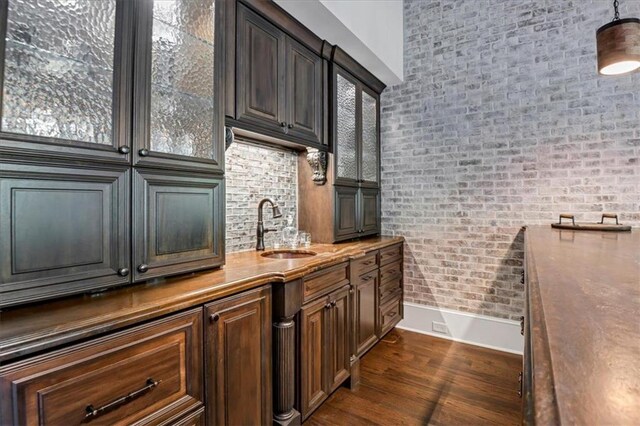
(26, 344)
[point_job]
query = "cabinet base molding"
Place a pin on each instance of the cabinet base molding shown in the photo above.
(354, 379)
(293, 420)
(480, 330)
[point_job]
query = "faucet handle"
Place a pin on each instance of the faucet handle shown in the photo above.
(270, 230)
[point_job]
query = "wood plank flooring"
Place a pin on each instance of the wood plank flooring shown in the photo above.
(414, 379)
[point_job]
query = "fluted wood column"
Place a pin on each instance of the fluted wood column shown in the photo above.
(287, 301)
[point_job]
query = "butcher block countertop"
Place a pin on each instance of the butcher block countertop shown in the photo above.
(33, 328)
(583, 295)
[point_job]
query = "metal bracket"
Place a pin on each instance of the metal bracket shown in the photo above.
(229, 137)
(318, 161)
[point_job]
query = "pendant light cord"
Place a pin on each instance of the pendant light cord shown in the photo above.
(616, 16)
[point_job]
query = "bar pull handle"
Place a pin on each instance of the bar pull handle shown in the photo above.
(567, 216)
(609, 216)
(92, 413)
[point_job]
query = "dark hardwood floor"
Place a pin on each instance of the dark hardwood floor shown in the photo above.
(414, 379)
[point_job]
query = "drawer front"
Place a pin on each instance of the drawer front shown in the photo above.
(149, 374)
(389, 289)
(390, 314)
(390, 272)
(365, 264)
(390, 254)
(324, 281)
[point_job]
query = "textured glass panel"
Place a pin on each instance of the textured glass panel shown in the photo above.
(346, 129)
(58, 77)
(369, 138)
(182, 107)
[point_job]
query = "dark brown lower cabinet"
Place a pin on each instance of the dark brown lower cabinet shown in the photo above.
(365, 311)
(151, 374)
(324, 348)
(238, 359)
(63, 230)
(178, 222)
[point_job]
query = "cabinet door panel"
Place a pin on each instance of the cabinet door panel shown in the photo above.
(337, 320)
(304, 92)
(238, 347)
(179, 94)
(63, 231)
(365, 315)
(260, 70)
(313, 344)
(179, 223)
(369, 210)
(345, 118)
(370, 141)
(346, 199)
(62, 86)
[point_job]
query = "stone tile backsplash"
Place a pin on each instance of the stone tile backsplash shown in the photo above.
(501, 121)
(253, 172)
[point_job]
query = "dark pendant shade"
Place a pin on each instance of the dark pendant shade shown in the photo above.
(619, 46)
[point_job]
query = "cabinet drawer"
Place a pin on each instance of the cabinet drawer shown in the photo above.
(390, 272)
(365, 264)
(324, 281)
(389, 289)
(149, 374)
(390, 314)
(390, 254)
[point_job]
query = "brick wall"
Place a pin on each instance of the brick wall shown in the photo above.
(252, 173)
(501, 121)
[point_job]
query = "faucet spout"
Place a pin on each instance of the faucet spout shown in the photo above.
(260, 231)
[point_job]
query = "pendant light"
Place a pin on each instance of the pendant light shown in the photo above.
(618, 45)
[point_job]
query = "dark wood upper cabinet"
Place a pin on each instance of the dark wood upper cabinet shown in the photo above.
(260, 95)
(63, 230)
(238, 359)
(279, 82)
(179, 91)
(178, 223)
(346, 214)
(303, 92)
(369, 210)
(65, 79)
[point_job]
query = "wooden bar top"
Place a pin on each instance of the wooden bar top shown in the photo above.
(33, 328)
(584, 312)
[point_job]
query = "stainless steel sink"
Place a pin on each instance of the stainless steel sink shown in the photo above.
(288, 254)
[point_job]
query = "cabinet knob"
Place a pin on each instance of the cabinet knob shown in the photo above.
(283, 124)
(214, 317)
(327, 306)
(124, 149)
(143, 152)
(143, 268)
(123, 272)
(290, 126)
(333, 304)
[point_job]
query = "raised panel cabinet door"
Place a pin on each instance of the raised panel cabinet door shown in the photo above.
(238, 359)
(147, 375)
(179, 223)
(260, 94)
(346, 214)
(346, 116)
(313, 355)
(62, 231)
(64, 86)
(304, 92)
(369, 210)
(337, 320)
(179, 93)
(366, 311)
(370, 140)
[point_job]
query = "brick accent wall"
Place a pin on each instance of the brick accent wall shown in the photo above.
(501, 121)
(253, 172)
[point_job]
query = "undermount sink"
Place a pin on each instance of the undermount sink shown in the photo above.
(288, 254)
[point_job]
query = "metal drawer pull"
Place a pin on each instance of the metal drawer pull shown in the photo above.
(567, 216)
(92, 412)
(520, 384)
(366, 278)
(609, 216)
(522, 325)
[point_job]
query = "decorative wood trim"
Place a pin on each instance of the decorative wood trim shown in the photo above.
(343, 59)
(318, 161)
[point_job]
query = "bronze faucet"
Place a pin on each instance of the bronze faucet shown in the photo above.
(261, 231)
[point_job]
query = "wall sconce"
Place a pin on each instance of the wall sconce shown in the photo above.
(618, 45)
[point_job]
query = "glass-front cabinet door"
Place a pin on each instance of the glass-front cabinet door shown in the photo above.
(178, 114)
(370, 146)
(346, 129)
(63, 91)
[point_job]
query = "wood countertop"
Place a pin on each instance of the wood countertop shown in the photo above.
(583, 290)
(33, 328)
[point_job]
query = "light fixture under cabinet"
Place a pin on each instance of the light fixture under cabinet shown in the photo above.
(618, 45)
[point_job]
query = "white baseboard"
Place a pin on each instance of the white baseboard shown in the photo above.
(480, 330)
